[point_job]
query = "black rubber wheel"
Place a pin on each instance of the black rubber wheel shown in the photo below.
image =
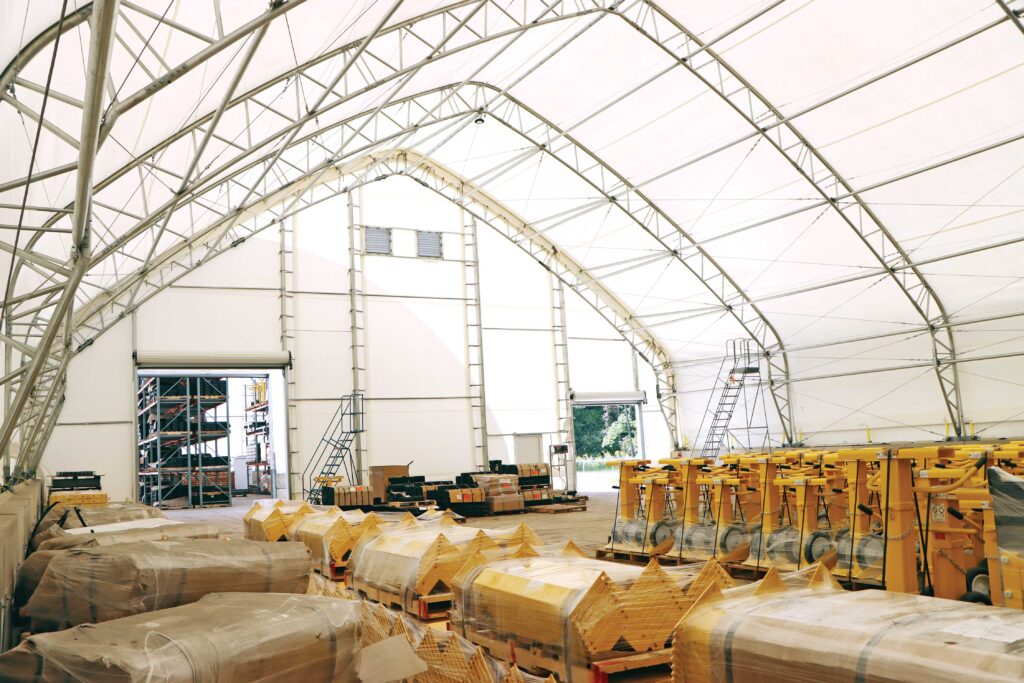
(817, 544)
(977, 580)
(972, 596)
(733, 537)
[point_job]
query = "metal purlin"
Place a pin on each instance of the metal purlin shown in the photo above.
(774, 128)
(647, 17)
(553, 10)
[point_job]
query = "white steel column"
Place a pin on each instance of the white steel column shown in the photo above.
(474, 339)
(286, 249)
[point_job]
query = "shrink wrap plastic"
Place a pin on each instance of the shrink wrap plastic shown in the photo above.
(269, 520)
(560, 613)
(805, 628)
(222, 638)
(411, 560)
(130, 532)
(31, 571)
(94, 515)
(85, 585)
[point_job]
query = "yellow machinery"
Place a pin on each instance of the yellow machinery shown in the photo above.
(646, 513)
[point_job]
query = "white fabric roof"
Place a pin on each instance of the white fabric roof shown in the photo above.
(807, 172)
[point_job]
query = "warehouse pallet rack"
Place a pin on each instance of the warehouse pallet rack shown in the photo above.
(257, 437)
(182, 422)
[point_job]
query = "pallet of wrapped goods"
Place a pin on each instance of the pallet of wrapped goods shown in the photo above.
(331, 536)
(269, 520)
(84, 585)
(223, 637)
(412, 567)
(19, 511)
(93, 515)
(156, 529)
(497, 484)
(564, 614)
(449, 658)
(803, 628)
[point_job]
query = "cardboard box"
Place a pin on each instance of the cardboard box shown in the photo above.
(351, 496)
(505, 503)
(466, 495)
(536, 494)
(497, 484)
(381, 474)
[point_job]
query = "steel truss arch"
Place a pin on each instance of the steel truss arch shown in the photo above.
(717, 75)
(649, 20)
(318, 186)
(542, 134)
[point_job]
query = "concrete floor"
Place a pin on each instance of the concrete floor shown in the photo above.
(589, 530)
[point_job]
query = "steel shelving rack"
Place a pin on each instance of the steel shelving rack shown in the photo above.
(182, 423)
(258, 455)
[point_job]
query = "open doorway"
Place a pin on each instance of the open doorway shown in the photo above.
(206, 437)
(604, 434)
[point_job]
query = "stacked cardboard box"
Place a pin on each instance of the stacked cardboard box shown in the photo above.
(537, 496)
(506, 503)
(351, 496)
(501, 491)
(466, 495)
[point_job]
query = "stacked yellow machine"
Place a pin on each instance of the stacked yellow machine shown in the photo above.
(933, 520)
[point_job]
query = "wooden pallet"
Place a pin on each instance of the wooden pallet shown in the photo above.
(542, 660)
(558, 508)
(427, 607)
(406, 504)
(632, 557)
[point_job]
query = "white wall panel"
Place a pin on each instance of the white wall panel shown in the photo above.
(201, 319)
(415, 348)
(109, 449)
(520, 377)
(434, 434)
(253, 263)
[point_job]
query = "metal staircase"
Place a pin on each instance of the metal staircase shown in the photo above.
(333, 456)
(744, 369)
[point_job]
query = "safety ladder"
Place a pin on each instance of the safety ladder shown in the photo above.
(333, 456)
(286, 253)
(357, 308)
(474, 339)
(743, 367)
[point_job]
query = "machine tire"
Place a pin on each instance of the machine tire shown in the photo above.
(972, 596)
(975, 584)
(812, 542)
(732, 537)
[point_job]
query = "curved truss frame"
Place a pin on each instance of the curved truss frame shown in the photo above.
(30, 314)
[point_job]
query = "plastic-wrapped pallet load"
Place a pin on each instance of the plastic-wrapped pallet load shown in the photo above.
(32, 570)
(84, 585)
(410, 565)
(224, 637)
(60, 517)
(269, 520)
(331, 535)
(155, 529)
(562, 613)
(805, 628)
(19, 510)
